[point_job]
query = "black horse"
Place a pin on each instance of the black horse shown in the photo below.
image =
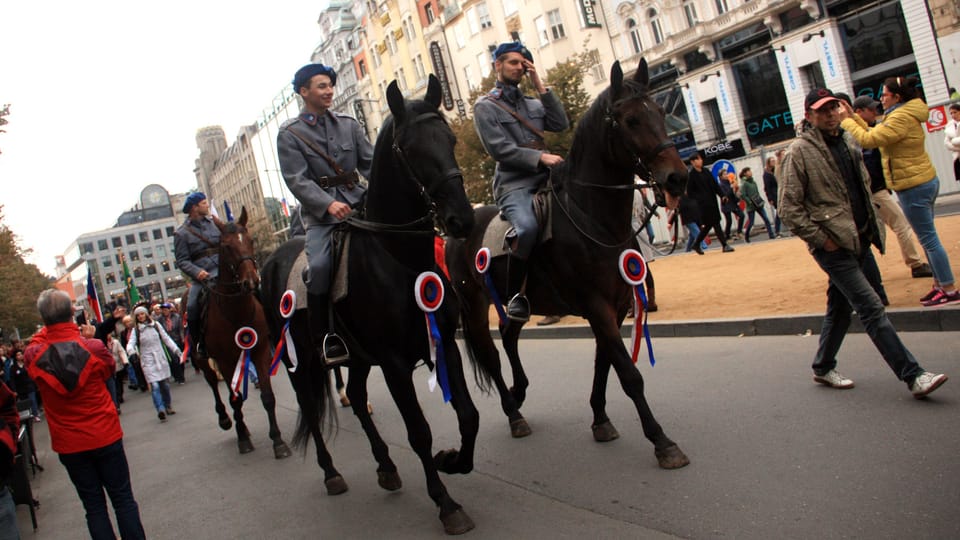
(414, 181)
(620, 136)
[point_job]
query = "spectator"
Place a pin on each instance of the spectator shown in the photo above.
(110, 323)
(751, 196)
(134, 370)
(702, 188)
(690, 216)
(147, 339)
(84, 427)
(730, 205)
(951, 138)
(909, 171)
(822, 173)
(171, 322)
(770, 190)
(9, 427)
(120, 357)
(24, 386)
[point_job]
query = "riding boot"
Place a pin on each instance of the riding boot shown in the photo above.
(518, 308)
(194, 328)
(332, 347)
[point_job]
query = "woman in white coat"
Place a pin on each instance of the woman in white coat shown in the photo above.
(951, 138)
(147, 339)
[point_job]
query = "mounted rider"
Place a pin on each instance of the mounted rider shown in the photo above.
(511, 126)
(196, 245)
(320, 152)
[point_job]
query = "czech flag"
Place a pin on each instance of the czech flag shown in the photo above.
(226, 208)
(92, 297)
(284, 207)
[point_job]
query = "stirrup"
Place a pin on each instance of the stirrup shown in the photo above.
(518, 309)
(334, 350)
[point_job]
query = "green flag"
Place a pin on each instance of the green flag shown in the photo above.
(132, 291)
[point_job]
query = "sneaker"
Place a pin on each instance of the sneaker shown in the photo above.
(162, 416)
(728, 249)
(933, 292)
(171, 412)
(698, 249)
(925, 383)
(921, 271)
(942, 298)
(834, 379)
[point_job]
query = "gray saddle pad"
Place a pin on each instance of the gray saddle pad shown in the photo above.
(496, 232)
(339, 288)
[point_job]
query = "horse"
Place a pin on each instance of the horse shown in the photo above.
(232, 304)
(414, 181)
(577, 271)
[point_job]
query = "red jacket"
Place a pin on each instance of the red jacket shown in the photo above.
(71, 373)
(9, 425)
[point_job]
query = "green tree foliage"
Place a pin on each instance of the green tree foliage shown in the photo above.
(20, 285)
(565, 79)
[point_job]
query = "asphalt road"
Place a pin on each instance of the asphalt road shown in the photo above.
(773, 456)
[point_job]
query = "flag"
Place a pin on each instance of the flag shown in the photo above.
(92, 297)
(213, 210)
(284, 207)
(226, 209)
(132, 291)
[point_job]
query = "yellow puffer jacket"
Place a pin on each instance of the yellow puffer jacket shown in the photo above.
(900, 138)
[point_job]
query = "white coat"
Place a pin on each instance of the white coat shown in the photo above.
(951, 138)
(154, 362)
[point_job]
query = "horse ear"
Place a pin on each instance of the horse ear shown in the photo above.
(395, 101)
(642, 75)
(616, 78)
(243, 216)
(434, 92)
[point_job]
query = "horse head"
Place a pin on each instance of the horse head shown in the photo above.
(423, 146)
(639, 123)
(238, 267)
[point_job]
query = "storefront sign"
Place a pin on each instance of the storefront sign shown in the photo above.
(723, 150)
(790, 72)
(829, 59)
(686, 145)
(937, 119)
(589, 14)
(724, 96)
(441, 72)
(693, 108)
(768, 124)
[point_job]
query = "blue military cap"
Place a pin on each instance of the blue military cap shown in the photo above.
(513, 46)
(191, 200)
(307, 72)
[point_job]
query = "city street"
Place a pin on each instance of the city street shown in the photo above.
(773, 455)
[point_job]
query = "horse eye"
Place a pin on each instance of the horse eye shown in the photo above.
(632, 121)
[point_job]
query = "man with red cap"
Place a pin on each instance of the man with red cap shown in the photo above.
(825, 199)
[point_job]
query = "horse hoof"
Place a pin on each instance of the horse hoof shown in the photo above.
(520, 428)
(369, 408)
(518, 395)
(604, 432)
(335, 485)
(389, 480)
(281, 450)
(448, 461)
(225, 423)
(344, 401)
(671, 457)
(245, 446)
(457, 522)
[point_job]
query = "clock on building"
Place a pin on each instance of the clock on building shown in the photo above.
(153, 196)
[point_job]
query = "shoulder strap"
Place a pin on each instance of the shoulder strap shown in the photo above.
(200, 236)
(313, 146)
(521, 119)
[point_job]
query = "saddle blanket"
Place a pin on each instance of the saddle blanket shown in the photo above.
(495, 235)
(296, 280)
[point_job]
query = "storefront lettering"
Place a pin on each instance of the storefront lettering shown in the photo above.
(828, 56)
(724, 98)
(771, 122)
(694, 108)
(589, 14)
(788, 67)
(438, 67)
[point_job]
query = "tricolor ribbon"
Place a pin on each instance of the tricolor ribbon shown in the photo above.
(246, 339)
(428, 290)
(633, 269)
(186, 350)
(482, 263)
(288, 305)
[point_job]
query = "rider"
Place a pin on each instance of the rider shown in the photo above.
(510, 126)
(321, 151)
(196, 244)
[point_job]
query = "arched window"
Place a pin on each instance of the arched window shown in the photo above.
(655, 27)
(634, 30)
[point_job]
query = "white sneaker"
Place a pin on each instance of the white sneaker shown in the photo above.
(925, 383)
(834, 379)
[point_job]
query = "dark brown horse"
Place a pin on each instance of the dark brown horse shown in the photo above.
(414, 182)
(577, 272)
(232, 305)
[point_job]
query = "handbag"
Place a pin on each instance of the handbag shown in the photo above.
(757, 201)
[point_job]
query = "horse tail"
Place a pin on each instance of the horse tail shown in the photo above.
(467, 293)
(314, 395)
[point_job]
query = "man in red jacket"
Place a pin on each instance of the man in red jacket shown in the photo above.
(71, 372)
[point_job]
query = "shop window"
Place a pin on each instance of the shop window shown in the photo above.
(766, 112)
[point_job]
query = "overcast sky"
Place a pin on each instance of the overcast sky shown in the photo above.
(106, 97)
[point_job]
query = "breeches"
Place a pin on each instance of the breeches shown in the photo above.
(517, 207)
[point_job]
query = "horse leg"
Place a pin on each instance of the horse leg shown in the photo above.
(269, 401)
(341, 388)
(511, 337)
(400, 383)
(603, 430)
(211, 377)
(453, 460)
(243, 434)
(387, 476)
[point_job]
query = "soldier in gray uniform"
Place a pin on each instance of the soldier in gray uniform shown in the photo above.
(511, 128)
(321, 151)
(196, 245)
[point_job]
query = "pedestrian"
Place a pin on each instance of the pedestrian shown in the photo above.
(909, 171)
(951, 138)
(150, 341)
(890, 213)
(196, 244)
(322, 155)
(770, 190)
(110, 323)
(9, 428)
(24, 386)
(172, 324)
(750, 193)
(120, 357)
(511, 127)
(690, 217)
(85, 431)
(825, 200)
(704, 189)
(730, 205)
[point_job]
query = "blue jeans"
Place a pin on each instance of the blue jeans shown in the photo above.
(8, 516)
(917, 204)
(161, 395)
(850, 289)
(93, 471)
(112, 388)
(517, 207)
(751, 214)
(694, 232)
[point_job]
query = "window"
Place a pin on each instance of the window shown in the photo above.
(428, 12)
(170, 232)
(165, 265)
(473, 23)
(110, 278)
(391, 43)
(483, 60)
(812, 76)
(458, 35)
(541, 26)
(714, 120)
(117, 258)
(147, 253)
(484, 14)
(509, 7)
(102, 245)
(106, 262)
(634, 30)
(131, 239)
(596, 67)
(471, 84)
(556, 24)
(401, 79)
(408, 31)
(418, 65)
(157, 234)
(690, 12)
(721, 6)
(766, 111)
(115, 241)
(161, 251)
(134, 255)
(655, 27)
(151, 269)
(362, 66)
(137, 272)
(376, 57)
(86, 247)
(144, 237)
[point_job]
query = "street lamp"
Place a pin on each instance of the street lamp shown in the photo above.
(705, 76)
(809, 36)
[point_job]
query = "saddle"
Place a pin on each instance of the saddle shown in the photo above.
(297, 279)
(499, 230)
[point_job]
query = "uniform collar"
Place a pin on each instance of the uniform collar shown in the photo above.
(312, 119)
(511, 93)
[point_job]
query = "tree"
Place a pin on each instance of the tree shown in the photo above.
(565, 79)
(20, 285)
(5, 111)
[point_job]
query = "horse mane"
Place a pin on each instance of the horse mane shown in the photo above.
(231, 228)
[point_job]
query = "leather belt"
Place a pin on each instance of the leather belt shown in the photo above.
(346, 179)
(210, 252)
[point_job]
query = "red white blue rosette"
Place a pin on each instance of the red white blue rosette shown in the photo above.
(246, 339)
(633, 270)
(428, 291)
(482, 263)
(288, 306)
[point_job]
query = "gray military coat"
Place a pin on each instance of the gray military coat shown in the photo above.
(193, 254)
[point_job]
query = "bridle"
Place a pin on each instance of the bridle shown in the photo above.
(222, 286)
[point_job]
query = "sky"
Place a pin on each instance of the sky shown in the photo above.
(106, 97)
